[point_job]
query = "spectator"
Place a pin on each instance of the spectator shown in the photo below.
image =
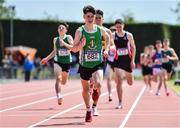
(6, 66)
(28, 67)
(38, 67)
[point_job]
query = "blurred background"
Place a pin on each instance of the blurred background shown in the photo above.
(29, 26)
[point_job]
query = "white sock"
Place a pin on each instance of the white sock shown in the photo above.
(110, 95)
(59, 95)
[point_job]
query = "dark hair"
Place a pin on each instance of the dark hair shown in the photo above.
(158, 42)
(65, 24)
(119, 21)
(100, 12)
(89, 8)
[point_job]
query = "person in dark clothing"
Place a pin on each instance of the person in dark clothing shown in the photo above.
(124, 60)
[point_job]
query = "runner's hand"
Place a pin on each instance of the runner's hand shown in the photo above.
(105, 54)
(133, 65)
(43, 61)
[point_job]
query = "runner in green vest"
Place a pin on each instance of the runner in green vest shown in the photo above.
(88, 41)
(168, 56)
(62, 59)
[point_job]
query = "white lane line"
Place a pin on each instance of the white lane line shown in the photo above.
(5, 91)
(58, 114)
(132, 108)
(29, 94)
(65, 111)
(38, 101)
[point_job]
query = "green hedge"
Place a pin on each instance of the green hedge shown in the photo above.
(39, 34)
(175, 38)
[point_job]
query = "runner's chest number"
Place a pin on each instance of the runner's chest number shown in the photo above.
(122, 51)
(63, 52)
(92, 56)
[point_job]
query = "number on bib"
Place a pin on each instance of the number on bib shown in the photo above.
(92, 56)
(63, 52)
(122, 51)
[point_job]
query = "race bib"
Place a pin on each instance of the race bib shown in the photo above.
(63, 52)
(156, 71)
(122, 51)
(92, 56)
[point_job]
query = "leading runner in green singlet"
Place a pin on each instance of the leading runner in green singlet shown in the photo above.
(88, 41)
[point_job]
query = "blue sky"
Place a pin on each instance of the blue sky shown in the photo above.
(71, 10)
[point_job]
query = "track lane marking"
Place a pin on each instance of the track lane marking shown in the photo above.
(63, 112)
(24, 95)
(132, 108)
(38, 101)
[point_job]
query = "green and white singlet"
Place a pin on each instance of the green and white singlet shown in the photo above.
(91, 55)
(166, 53)
(63, 54)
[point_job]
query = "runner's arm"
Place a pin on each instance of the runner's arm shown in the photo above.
(133, 46)
(174, 55)
(107, 42)
(78, 44)
(51, 55)
(112, 46)
(107, 39)
(70, 40)
(141, 58)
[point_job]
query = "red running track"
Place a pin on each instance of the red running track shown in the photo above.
(34, 104)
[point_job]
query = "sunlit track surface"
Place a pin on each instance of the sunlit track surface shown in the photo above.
(34, 104)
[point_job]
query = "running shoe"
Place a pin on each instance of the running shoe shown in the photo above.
(95, 112)
(88, 117)
(95, 95)
(110, 98)
(158, 94)
(60, 101)
(119, 106)
(167, 93)
(151, 91)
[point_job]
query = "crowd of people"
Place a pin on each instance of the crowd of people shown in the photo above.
(16, 66)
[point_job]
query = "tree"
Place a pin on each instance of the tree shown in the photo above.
(48, 17)
(177, 11)
(1, 43)
(6, 12)
(128, 17)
